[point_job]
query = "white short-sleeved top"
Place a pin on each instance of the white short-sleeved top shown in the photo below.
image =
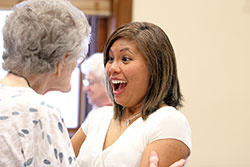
(127, 150)
(32, 132)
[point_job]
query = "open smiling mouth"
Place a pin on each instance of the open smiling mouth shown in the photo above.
(118, 85)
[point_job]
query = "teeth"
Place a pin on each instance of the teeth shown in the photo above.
(117, 81)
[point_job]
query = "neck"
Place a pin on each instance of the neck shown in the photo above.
(131, 117)
(44, 83)
(27, 81)
(131, 111)
(14, 81)
(37, 83)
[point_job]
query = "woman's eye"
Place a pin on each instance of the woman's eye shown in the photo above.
(125, 59)
(110, 58)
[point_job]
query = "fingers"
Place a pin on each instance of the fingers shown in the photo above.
(153, 160)
(179, 163)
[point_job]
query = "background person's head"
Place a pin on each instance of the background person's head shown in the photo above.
(95, 80)
(155, 46)
(42, 36)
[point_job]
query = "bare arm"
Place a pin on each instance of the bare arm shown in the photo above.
(77, 141)
(168, 151)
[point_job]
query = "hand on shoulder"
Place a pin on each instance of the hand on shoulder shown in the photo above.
(154, 161)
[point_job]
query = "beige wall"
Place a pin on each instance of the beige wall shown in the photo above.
(212, 44)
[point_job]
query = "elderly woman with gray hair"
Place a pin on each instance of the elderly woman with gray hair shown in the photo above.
(43, 41)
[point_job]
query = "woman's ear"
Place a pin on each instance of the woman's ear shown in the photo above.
(61, 64)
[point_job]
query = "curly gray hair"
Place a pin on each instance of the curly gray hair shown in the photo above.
(38, 33)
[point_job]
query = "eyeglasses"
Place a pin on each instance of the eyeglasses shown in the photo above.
(87, 83)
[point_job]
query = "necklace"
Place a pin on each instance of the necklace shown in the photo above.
(127, 122)
(21, 77)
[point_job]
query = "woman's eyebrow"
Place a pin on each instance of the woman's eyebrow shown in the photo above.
(126, 49)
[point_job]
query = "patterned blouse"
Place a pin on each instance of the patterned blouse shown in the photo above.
(32, 132)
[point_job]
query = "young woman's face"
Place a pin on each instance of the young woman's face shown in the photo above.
(128, 73)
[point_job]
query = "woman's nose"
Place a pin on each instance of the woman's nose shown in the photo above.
(115, 67)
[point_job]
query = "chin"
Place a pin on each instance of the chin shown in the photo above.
(119, 103)
(66, 90)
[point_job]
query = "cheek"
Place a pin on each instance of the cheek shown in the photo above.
(74, 66)
(144, 77)
(139, 77)
(98, 88)
(107, 67)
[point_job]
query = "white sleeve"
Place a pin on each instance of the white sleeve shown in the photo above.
(166, 123)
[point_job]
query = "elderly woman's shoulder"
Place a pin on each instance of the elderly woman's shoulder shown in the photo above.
(25, 102)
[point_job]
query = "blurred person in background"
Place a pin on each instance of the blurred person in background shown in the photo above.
(94, 82)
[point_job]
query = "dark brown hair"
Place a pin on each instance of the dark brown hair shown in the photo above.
(154, 44)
